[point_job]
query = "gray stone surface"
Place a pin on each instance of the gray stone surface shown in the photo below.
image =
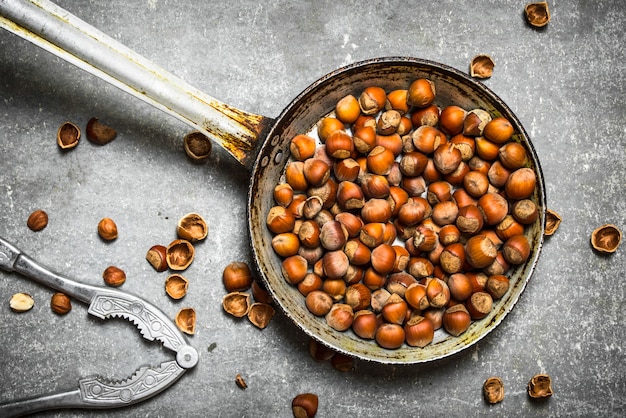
(565, 83)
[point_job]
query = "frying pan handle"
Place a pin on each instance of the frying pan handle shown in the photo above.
(66, 36)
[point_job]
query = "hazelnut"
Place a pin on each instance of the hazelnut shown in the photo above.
(236, 304)
(537, 14)
(606, 238)
(114, 276)
(99, 133)
(553, 220)
(540, 386)
(305, 405)
(192, 227)
(21, 302)
(107, 229)
(340, 316)
(176, 286)
(197, 146)
(60, 303)
(493, 390)
(347, 109)
(421, 93)
(237, 277)
(37, 220)
(482, 66)
(419, 331)
(260, 314)
(390, 336)
(68, 135)
(156, 256)
(179, 254)
(240, 382)
(186, 320)
(456, 320)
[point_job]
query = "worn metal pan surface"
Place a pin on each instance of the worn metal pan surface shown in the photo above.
(261, 144)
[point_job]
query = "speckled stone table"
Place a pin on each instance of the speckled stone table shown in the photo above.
(565, 82)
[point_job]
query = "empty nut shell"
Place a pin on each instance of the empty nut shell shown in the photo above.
(68, 135)
(553, 220)
(192, 227)
(197, 146)
(537, 14)
(260, 314)
(493, 390)
(60, 303)
(37, 220)
(606, 238)
(186, 320)
(99, 133)
(179, 254)
(236, 304)
(21, 302)
(540, 386)
(176, 286)
(482, 66)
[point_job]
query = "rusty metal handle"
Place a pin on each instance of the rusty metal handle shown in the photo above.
(66, 36)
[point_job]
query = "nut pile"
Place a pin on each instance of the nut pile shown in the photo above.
(405, 217)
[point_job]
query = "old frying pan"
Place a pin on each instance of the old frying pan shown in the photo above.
(261, 144)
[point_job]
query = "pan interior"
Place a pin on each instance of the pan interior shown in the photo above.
(301, 116)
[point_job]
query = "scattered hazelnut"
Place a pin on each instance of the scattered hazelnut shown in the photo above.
(236, 304)
(176, 286)
(37, 220)
(156, 256)
(537, 14)
(606, 238)
(482, 66)
(21, 302)
(239, 381)
(320, 352)
(179, 254)
(186, 320)
(107, 229)
(540, 387)
(237, 277)
(305, 405)
(114, 276)
(197, 146)
(68, 135)
(553, 220)
(493, 390)
(60, 303)
(260, 314)
(192, 227)
(99, 133)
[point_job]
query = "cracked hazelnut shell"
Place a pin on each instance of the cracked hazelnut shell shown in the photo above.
(482, 66)
(192, 227)
(537, 14)
(186, 320)
(260, 314)
(540, 386)
(493, 390)
(176, 286)
(236, 304)
(606, 238)
(68, 135)
(197, 146)
(179, 254)
(553, 220)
